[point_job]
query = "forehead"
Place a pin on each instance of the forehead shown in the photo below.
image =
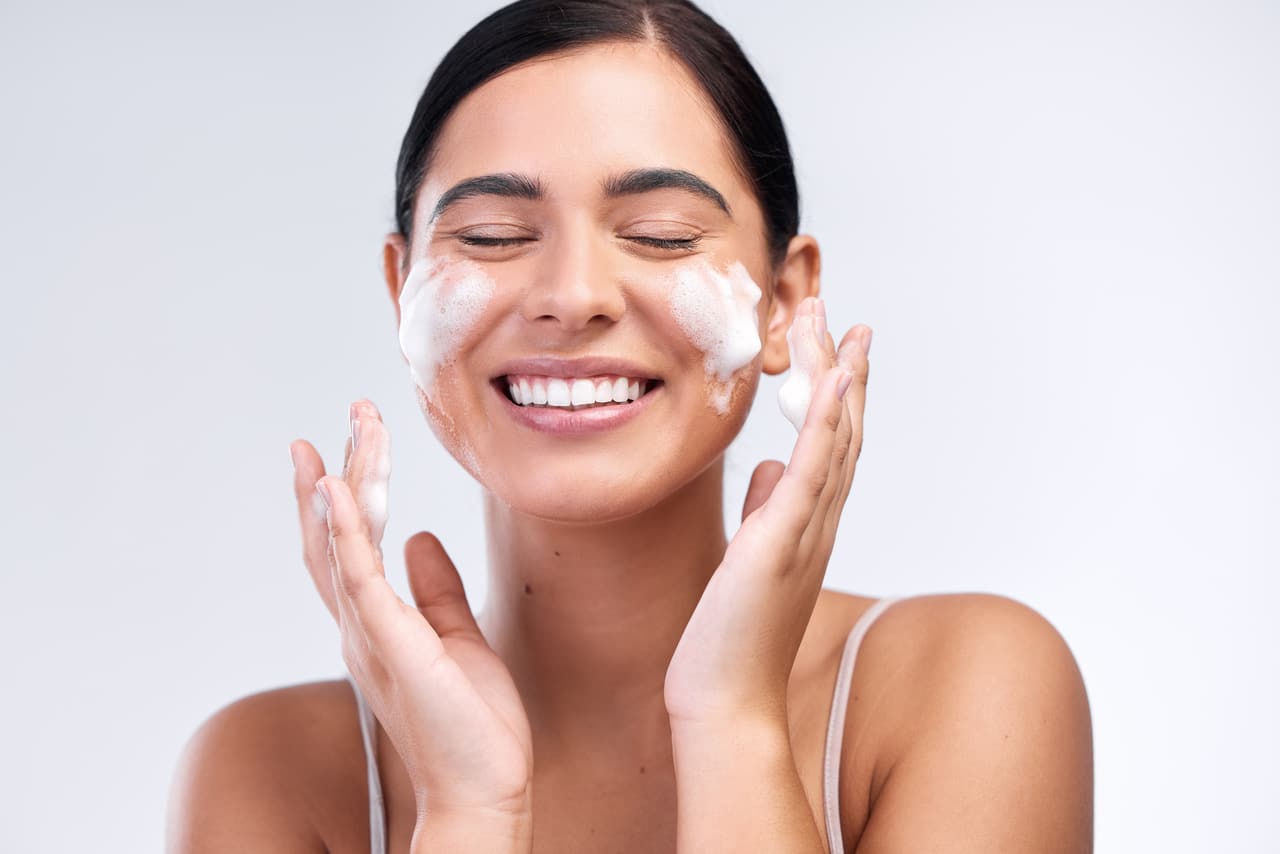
(573, 117)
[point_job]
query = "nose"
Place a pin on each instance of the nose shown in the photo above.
(574, 287)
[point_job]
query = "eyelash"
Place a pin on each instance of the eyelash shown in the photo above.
(658, 242)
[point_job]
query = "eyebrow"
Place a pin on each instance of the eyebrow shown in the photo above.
(631, 183)
(646, 180)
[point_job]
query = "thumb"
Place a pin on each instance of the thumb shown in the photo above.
(763, 480)
(437, 588)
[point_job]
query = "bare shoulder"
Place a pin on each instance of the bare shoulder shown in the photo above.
(981, 726)
(279, 771)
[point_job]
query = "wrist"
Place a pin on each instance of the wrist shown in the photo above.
(705, 744)
(483, 831)
(766, 724)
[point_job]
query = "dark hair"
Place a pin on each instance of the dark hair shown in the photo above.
(527, 29)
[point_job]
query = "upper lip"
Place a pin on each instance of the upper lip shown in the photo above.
(581, 366)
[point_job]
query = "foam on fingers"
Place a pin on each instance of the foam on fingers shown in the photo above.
(796, 392)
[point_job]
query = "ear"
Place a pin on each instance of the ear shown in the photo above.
(394, 256)
(797, 278)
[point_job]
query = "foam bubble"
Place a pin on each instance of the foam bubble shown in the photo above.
(440, 301)
(795, 394)
(373, 488)
(717, 311)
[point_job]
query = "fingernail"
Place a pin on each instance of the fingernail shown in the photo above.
(324, 494)
(821, 319)
(355, 433)
(293, 457)
(843, 385)
(866, 341)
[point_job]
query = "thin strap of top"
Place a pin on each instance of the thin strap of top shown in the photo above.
(377, 811)
(830, 761)
(835, 724)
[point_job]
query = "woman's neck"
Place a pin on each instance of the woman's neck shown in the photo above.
(586, 617)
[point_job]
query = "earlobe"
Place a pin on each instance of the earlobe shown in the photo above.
(797, 277)
(393, 259)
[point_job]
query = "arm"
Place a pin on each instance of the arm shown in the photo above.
(739, 790)
(998, 752)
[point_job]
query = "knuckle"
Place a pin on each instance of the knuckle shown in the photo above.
(816, 482)
(353, 586)
(841, 454)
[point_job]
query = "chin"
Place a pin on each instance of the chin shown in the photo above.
(577, 494)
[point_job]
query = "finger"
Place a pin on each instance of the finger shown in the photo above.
(836, 463)
(823, 358)
(796, 495)
(763, 480)
(370, 469)
(826, 344)
(821, 528)
(854, 357)
(361, 583)
(308, 467)
(437, 588)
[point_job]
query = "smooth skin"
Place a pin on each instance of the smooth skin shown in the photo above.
(637, 681)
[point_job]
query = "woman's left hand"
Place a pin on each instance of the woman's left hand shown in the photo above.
(737, 651)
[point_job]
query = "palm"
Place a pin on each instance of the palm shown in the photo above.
(446, 700)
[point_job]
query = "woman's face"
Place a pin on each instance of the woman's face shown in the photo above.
(573, 271)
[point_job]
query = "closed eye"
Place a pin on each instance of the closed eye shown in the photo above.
(669, 242)
(493, 241)
(659, 242)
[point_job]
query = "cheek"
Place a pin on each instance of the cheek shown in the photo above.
(440, 304)
(717, 311)
(450, 393)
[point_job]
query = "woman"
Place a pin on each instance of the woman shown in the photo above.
(596, 255)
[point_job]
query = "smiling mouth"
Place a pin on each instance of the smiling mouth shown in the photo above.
(573, 394)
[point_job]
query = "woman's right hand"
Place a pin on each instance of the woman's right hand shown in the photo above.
(446, 700)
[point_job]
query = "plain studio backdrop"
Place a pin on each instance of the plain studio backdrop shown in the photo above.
(1061, 219)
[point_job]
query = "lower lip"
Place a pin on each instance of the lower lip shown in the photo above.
(549, 419)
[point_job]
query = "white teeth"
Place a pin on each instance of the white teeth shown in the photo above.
(584, 391)
(557, 392)
(574, 392)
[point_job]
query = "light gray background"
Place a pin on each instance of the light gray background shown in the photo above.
(1061, 220)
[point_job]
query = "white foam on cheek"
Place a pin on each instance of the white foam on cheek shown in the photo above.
(440, 301)
(717, 311)
(795, 394)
